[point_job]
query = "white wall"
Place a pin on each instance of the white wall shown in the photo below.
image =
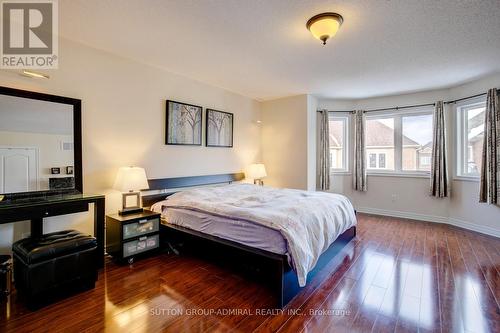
(285, 141)
(407, 196)
(123, 106)
(289, 142)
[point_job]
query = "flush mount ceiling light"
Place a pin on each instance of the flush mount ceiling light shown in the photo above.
(325, 25)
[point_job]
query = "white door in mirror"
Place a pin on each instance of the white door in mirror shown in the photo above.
(18, 170)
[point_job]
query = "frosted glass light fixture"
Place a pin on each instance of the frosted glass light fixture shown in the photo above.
(325, 25)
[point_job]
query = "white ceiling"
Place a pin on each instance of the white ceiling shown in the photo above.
(261, 48)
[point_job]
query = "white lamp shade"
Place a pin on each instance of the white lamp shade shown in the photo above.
(256, 171)
(131, 179)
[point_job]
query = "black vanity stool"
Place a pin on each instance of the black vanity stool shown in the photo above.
(54, 265)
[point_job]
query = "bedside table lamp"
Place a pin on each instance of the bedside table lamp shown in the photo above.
(256, 172)
(131, 180)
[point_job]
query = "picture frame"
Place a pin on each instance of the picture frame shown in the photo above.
(219, 126)
(183, 124)
(69, 170)
(55, 171)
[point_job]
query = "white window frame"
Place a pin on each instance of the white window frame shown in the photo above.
(398, 142)
(345, 142)
(461, 141)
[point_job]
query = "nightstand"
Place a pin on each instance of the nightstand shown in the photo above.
(133, 235)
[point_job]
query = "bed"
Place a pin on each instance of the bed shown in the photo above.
(289, 234)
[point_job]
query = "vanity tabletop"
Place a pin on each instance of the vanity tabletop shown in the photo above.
(49, 198)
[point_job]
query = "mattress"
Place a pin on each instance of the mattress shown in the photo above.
(243, 232)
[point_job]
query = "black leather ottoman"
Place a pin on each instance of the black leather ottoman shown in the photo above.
(56, 264)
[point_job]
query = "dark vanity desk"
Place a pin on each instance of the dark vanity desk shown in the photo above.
(37, 208)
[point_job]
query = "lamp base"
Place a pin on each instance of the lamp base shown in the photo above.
(131, 203)
(130, 211)
(258, 182)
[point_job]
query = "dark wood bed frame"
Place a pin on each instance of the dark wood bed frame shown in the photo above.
(271, 268)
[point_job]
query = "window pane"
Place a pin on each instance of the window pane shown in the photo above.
(380, 140)
(417, 142)
(373, 160)
(475, 134)
(381, 161)
(336, 143)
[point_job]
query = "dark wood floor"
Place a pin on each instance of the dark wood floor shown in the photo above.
(396, 276)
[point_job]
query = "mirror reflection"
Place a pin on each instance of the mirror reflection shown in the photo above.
(36, 145)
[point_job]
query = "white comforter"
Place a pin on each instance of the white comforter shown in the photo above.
(309, 221)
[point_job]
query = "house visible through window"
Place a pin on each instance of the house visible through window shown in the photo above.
(338, 143)
(425, 161)
(380, 140)
(470, 123)
(417, 142)
(381, 161)
(399, 142)
(376, 160)
(373, 160)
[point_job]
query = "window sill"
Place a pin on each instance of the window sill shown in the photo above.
(385, 174)
(399, 174)
(342, 173)
(467, 179)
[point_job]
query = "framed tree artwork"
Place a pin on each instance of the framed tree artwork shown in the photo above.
(219, 129)
(183, 124)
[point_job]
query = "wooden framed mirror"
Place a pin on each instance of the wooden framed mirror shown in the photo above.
(40, 143)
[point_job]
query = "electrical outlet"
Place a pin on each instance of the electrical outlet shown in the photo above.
(394, 198)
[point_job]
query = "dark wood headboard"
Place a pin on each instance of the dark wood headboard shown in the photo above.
(180, 182)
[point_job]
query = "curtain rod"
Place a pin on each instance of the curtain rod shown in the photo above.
(412, 106)
(384, 109)
(464, 98)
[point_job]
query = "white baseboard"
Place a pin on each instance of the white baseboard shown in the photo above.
(474, 227)
(405, 215)
(431, 218)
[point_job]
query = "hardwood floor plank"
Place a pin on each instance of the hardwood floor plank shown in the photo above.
(481, 290)
(450, 305)
(384, 324)
(473, 318)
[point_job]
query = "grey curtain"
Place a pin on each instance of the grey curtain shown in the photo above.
(439, 167)
(324, 152)
(359, 173)
(490, 169)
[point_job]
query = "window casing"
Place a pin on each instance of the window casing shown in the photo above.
(399, 143)
(470, 134)
(339, 143)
